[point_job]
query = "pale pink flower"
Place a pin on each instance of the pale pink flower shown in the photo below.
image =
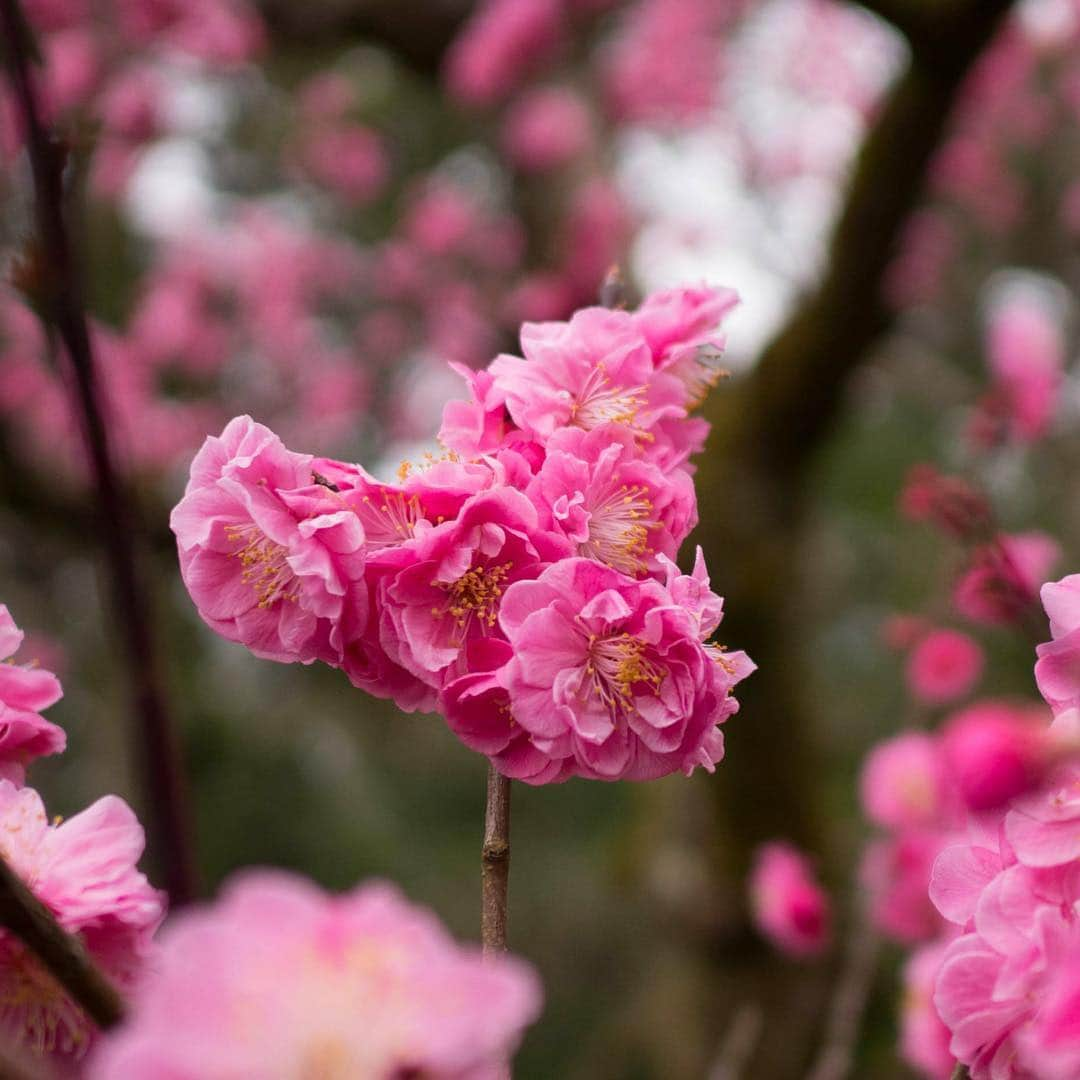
(903, 782)
(502, 41)
(612, 505)
(1057, 670)
(788, 905)
(924, 1039)
(1050, 1044)
(683, 329)
(272, 576)
(83, 870)
(943, 666)
(1026, 357)
(611, 674)
(991, 984)
(546, 128)
(25, 690)
(590, 372)
(277, 979)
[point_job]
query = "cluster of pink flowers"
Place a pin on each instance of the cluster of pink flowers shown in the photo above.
(108, 62)
(524, 583)
(83, 870)
(278, 979)
(980, 872)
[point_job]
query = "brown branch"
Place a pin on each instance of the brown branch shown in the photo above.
(960, 1072)
(495, 863)
(62, 300)
(62, 954)
(417, 33)
(844, 1021)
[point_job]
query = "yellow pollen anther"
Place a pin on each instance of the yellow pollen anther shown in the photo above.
(264, 564)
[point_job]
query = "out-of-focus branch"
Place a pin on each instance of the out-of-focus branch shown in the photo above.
(62, 300)
(63, 955)
(495, 863)
(848, 1006)
(418, 33)
(960, 1073)
(756, 479)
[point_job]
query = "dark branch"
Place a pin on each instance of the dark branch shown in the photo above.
(62, 301)
(795, 391)
(495, 863)
(62, 954)
(417, 33)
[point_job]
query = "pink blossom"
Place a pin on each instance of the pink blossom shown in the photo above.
(612, 505)
(1050, 1045)
(277, 978)
(593, 371)
(501, 42)
(24, 691)
(1003, 578)
(664, 65)
(903, 782)
(444, 586)
(924, 1039)
(1057, 670)
(943, 666)
(272, 576)
(546, 128)
(683, 329)
(348, 159)
(789, 907)
(84, 871)
(995, 751)
(948, 502)
(611, 674)
(895, 871)
(1026, 355)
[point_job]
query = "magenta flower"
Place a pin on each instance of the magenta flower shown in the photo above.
(943, 666)
(612, 505)
(84, 871)
(1002, 580)
(789, 906)
(24, 691)
(443, 588)
(262, 572)
(612, 674)
(277, 979)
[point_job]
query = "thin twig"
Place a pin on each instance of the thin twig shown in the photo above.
(495, 863)
(62, 296)
(63, 955)
(739, 1043)
(960, 1072)
(848, 1005)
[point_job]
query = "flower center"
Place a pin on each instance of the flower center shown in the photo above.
(598, 402)
(619, 525)
(264, 564)
(616, 665)
(475, 594)
(389, 518)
